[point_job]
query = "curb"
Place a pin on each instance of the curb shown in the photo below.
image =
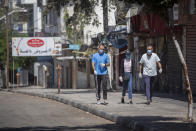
(120, 121)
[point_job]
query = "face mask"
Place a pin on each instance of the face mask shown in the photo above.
(128, 57)
(101, 51)
(149, 52)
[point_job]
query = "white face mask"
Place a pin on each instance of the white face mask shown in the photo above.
(149, 52)
(101, 51)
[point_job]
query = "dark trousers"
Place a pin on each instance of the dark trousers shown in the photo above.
(101, 79)
(150, 82)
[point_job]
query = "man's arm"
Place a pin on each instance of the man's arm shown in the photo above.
(140, 68)
(140, 71)
(93, 66)
(159, 65)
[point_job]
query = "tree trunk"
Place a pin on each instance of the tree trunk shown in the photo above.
(105, 16)
(188, 88)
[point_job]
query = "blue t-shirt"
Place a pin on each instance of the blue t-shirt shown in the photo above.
(100, 59)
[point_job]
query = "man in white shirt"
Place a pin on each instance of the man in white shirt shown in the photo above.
(149, 63)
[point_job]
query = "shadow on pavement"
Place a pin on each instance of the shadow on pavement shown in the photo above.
(106, 127)
(141, 123)
(76, 92)
(180, 97)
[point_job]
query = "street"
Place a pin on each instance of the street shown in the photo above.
(27, 113)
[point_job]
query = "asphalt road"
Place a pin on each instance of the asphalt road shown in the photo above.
(27, 113)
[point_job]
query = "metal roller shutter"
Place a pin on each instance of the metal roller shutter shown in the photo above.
(174, 69)
(191, 55)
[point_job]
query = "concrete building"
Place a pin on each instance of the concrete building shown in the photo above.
(18, 19)
(34, 13)
(91, 30)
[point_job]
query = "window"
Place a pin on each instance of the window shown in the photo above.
(20, 27)
(192, 7)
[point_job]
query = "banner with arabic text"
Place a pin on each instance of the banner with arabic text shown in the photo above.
(36, 46)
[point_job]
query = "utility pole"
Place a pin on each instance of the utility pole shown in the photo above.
(58, 68)
(74, 84)
(7, 42)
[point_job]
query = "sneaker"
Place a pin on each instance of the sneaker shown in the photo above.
(98, 102)
(122, 100)
(105, 102)
(131, 102)
(148, 102)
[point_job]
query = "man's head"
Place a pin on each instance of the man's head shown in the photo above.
(149, 50)
(101, 49)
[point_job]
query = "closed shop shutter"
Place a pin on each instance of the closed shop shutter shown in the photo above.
(191, 55)
(174, 67)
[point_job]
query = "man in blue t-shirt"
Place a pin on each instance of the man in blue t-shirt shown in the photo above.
(100, 61)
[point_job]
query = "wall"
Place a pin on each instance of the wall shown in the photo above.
(82, 80)
(37, 18)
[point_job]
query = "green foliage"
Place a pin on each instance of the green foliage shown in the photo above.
(156, 6)
(85, 6)
(18, 61)
(68, 26)
(23, 62)
(83, 14)
(2, 47)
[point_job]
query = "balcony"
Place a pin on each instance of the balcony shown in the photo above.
(27, 2)
(23, 3)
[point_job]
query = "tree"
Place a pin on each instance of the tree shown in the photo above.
(19, 61)
(83, 14)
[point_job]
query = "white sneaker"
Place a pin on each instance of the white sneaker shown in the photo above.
(98, 102)
(105, 102)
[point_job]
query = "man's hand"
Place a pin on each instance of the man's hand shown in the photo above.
(160, 70)
(120, 78)
(140, 75)
(95, 72)
(102, 65)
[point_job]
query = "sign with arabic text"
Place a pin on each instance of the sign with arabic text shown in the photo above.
(36, 46)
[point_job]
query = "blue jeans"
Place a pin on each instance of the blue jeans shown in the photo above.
(127, 83)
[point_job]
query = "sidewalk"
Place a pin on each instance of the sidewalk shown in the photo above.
(164, 113)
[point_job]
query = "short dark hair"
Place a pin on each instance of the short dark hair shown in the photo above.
(101, 45)
(149, 45)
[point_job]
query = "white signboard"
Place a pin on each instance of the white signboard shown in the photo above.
(36, 46)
